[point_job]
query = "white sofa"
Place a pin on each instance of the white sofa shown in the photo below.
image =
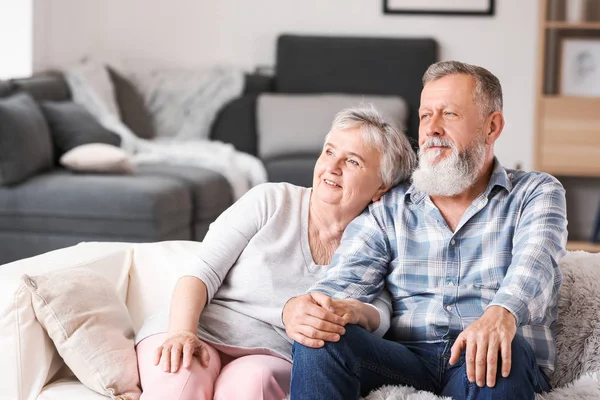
(144, 276)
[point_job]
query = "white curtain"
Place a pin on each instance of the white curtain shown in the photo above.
(16, 37)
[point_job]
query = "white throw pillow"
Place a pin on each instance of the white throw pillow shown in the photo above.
(90, 327)
(298, 123)
(97, 157)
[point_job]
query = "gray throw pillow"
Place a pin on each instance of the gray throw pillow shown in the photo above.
(297, 123)
(72, 126)
(25, 143)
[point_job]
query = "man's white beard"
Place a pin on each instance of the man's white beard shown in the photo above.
(451, 175)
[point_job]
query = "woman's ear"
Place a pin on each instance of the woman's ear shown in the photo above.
(380, 192)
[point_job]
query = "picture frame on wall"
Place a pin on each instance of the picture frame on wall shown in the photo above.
(439, 7)
(580, 67)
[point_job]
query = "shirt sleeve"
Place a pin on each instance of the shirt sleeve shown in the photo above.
(538, 244)
(227, 238)
(383, 305)
(360, 264)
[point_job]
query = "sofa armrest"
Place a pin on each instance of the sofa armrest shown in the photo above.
(29, 359)
(155, 270)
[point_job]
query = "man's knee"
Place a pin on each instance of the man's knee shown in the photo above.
(522, 356)
(341, 348)
(522, 379)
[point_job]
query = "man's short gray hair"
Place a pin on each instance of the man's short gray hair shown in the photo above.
(397, 158)
(488, 91)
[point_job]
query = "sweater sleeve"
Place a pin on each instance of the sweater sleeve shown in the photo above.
(227, 238)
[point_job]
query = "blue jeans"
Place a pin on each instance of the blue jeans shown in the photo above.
(361, 362)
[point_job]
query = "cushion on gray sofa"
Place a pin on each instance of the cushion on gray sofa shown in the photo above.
(236, 124)
(71, 126)
(59, 202)
(44, 87)
(298, 123)
(361, 65)
(134, 112)
(210, 191)
(25, 143)
(6, 88)
(297, 169)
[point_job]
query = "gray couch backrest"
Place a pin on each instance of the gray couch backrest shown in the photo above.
(380, 66)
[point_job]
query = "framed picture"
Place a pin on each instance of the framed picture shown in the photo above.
(580, 67)
(439, 7)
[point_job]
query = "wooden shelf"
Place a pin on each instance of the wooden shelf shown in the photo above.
(585, 246)
(566, 97)
(573, 25)
(568, 135)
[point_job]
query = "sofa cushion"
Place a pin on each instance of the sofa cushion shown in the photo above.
(97, 157)
(90, 327)
(360, 65)
(211, 193)
(71, 125)
(134, 112)
(143, 208)
(291, 124)
(44, 87)
(236, 124)
(297, 169)
(69, 389)
(25, 144)
(6, 88)
(29, 358)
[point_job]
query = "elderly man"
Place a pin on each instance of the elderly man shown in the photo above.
(470, 254)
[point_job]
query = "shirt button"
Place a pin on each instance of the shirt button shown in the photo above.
(450, 283)
(453, 242)
(449, 308)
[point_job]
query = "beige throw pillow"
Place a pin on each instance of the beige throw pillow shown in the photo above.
(97, 157)
(90, 327)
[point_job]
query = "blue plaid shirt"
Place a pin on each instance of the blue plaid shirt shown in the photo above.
(504, 252)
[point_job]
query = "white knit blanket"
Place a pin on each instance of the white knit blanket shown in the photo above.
(186, 142)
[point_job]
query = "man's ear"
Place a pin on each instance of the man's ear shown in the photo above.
(494, 126)
(380, 192)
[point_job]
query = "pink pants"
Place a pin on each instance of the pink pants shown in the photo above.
(251, 377)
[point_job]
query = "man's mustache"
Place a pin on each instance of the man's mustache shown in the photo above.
(437, 142)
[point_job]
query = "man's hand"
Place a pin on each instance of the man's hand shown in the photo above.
(310, 320)
(491, 334)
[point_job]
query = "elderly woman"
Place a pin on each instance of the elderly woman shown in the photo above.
(224, 325)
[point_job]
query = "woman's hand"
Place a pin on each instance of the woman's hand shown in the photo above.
(178, 345)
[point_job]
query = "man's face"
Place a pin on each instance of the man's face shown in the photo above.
(448, 111)
(453, 147)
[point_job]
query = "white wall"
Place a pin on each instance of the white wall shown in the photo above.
(15, 38)
(130, 33)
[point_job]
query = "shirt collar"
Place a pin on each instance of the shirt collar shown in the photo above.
(499, 178)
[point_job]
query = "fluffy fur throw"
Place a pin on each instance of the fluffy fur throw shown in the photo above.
(577, 375)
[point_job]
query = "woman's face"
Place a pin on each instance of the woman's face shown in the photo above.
(347, 172)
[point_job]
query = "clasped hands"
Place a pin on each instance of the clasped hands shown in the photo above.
(311, 318)
(314, 318)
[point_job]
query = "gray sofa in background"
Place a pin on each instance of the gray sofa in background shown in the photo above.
(58, 208)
